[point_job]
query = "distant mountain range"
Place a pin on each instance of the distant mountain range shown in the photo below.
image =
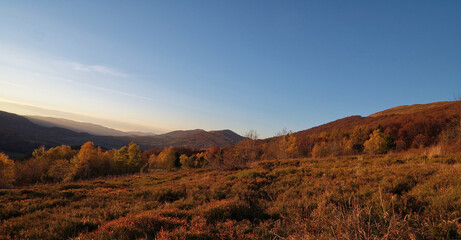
(80, 127)
(20, 135)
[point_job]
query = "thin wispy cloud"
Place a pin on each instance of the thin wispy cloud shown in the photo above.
(101, 69)
(38, 62)
(104, 89)
(10, 83)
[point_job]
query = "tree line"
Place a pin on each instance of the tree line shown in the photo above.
(64, 164)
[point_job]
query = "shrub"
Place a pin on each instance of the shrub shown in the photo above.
(250, 173)
(403, 184)
(169, 195)
(233, 210)
(194, 161)
(325, 149)
(6, 171)
(142, 226)
(59, 170)
(319, 150)
(30, 171)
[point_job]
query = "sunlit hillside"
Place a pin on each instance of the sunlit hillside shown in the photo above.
(409, 109)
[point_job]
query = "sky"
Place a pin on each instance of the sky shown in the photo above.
(159, 66)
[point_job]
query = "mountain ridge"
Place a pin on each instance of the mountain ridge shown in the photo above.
(20, 135)
(77, 126)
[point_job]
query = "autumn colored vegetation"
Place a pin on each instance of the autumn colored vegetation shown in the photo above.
(360, 197)
(392, 176)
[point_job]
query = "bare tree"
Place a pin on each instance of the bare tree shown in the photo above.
(282, 132)
(252, 134)
(247, 146)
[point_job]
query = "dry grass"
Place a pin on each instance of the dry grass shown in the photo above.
(408, 109)
(365, 197)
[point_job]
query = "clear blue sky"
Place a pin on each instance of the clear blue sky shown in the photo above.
(240, 65)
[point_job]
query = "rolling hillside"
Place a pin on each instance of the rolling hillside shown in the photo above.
(406, 127)
(20, 136)
(442, 112)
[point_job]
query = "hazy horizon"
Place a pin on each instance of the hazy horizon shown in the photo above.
(29, 110)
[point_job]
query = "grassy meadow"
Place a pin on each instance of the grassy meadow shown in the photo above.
(400, 196)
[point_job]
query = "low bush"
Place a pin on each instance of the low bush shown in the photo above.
(169, 194)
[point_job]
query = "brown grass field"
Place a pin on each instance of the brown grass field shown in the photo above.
(410, 196)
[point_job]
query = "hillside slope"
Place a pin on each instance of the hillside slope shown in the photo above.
(439, 111)
(402, 128)
(20, 135)
(407, 109)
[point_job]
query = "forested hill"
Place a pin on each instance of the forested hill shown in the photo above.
(19, 137)
(437, 114)
(399, 129)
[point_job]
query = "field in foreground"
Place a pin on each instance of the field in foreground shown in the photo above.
(384, 197)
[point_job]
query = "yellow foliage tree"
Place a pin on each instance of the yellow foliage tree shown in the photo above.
(135, 161)
(184, 160)
(319, 150)
(288, 147)
(60, 152)
(127, 159)
(167, 159)
(329, 148)
(358, 137)
(194, 161)
(90, 162)
(377, 143)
